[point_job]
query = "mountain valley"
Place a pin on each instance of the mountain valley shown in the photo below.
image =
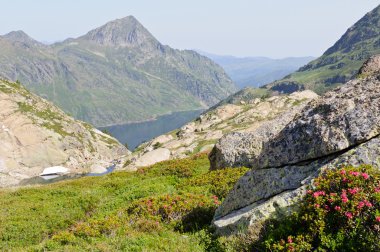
(291, 166)
(114, 74)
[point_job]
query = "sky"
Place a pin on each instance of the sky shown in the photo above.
(271, 28)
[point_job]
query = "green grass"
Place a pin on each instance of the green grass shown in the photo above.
(110, 213)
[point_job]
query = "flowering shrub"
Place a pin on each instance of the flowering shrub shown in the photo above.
(177, 209)
(340, 213)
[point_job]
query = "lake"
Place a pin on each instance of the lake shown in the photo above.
(136, 133)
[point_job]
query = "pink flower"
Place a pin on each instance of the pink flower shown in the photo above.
(354, 173)
(318, 193)
(290, 240)
(348, 215)
(378, 218)
(353, 190)
(317, 205)
(344, 197)
(377, 189)
(361, 204)
(337, 208)
(342, 172)
(368, 204)
(327, 208)
(365, 175)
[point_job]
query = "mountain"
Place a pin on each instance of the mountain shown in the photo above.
(340, 62)
(34, 135)
(114, 74)
(257, 71)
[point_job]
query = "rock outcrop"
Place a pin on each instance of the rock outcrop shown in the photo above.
(35, 135)
(341, 127)
(201, 134)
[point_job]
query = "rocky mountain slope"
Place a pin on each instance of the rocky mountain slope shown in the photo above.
(337, 65)
(201, 134)
(341, 127)
(114, 74)
(257, 71)
(341, 61)
(34, 134)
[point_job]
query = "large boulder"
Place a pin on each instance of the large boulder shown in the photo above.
(152, 157)
(340, 119)
(341, 127)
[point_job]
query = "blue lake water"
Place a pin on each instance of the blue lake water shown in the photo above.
(136, 133)
(133, 134)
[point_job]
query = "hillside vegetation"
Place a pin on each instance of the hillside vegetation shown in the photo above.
(166, 207)
(169, 207)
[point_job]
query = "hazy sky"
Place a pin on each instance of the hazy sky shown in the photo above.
(273, 28)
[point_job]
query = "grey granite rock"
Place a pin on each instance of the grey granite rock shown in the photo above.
(347, 116)
(342, 127)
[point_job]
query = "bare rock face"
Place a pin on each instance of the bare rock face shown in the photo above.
(344, 117)
(342, 127)
(152, 157)
(371, 66)
(35, 135)
(242, 148)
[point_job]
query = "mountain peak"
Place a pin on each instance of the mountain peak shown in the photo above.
(366, 29)
(20, 36)
(124, 32)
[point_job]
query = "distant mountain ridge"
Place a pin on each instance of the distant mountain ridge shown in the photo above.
(340, 62)
(257, 71)
(114, 74)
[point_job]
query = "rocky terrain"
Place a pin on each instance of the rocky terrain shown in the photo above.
(201, 134)
(114, 74)
(341, 127)
(34, 135)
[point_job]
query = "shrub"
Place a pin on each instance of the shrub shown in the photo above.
(146, 225)
(219, 181)
(182, 168)
(96, 228)
(157, 145)
(174, 208)
(340, 213)
(64, 238)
